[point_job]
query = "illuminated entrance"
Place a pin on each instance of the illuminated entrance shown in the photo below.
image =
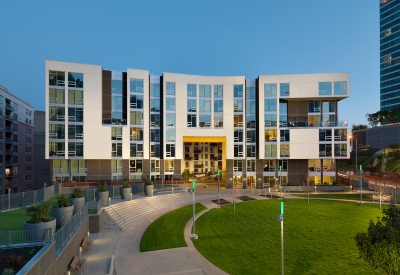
(203, 157)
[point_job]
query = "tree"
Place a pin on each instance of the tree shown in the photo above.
(359, 126)
(380, 246)
(234, 196)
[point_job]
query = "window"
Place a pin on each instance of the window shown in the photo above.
(205, 91)
(56, 96)
(116, 133)
(270, 120)
(205, 106)
(170, 135)
(56, 78)
(75, 114)
(238, 121)
(191, 105)
(251, 136)
(155, 150)
(285, 151)
(15, 148)
(251, 151)
(136, 150)
(237, 165)
(191, 120)
(136, 134)
(238, 90)
(155, 135)
(340, 150)
(135, 166)
(238, 105)
(282, 165)
(269, 166)
(218, 121)
(170, 88)
(285, 137)
(325, 134)
(218, 91)
(136, 85)
(75, 80)
(314, 107)
(154, 120)
(270, 105)
(205, 121)
(170, 119)
(136, 102)
(154, 90)
(340, 88)
(238, 151)
(325, 150)
(116, 149)
(75, 131)
(284, 89)
(340, 134)
(325, 88)
(75, 97)
(238, 136)
(56, 113)
(170, 104)
(155, 166)
(155, 105)
(191, 90)
(270, 150)
(75, 149)
(136, 118)
(170, 150)
(56, 149)
(15, 126)
(269, 90)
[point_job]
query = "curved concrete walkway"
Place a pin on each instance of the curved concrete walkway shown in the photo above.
(184, 260)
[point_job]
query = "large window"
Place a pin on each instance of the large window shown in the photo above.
(75, 80)
(170, 88)
(56, 113)
(270, 150)
(155, 105)
(325, 88)
(56, 149)
(136, 150)
(136, 102)
(340, 88)
(136, 134)
(269, 90)
(218, 91)
(284, 89)
(170, 104)
(218, 121)
(270, 105)
(75, 114)
(116, 149)
(136, 85)
(75, 131)
(205, 91)
(75, 149)
(75, 97)
(191, 90)
(170, 119)
(154, 90)
(56, 78)
(238, 90)
(270, 120)
(56, 96)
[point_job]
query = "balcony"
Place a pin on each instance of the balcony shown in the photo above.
(9, 118)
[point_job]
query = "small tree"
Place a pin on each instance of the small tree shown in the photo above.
(380, 246)
(234, 195)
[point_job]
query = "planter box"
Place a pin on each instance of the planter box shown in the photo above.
(78, 203)
(41, 232)
(103, 196)
(125, 193)
(148, 190)
(62, 214)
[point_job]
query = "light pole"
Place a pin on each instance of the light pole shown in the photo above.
(280, 219)
(218, 176)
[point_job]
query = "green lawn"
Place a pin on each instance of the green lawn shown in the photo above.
(319, 237)
(13, 220)
(344, 196)
(168, 230)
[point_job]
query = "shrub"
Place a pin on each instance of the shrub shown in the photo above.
(16, 261)
(62, 200)
(380, 246)
(125, 184)
(77, 193)
(39, 213)
(8, 271)
(148, 182)
(102, 187)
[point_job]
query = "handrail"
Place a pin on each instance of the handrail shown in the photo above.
(118, 216)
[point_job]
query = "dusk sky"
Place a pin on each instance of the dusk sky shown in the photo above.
(208, 37)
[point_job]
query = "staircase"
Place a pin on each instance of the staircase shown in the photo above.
(121, 213)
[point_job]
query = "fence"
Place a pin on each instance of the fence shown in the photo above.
(65, 233)
(23, 199)
(10, 238)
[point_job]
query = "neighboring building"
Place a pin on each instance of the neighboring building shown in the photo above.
(378, 137)
(16, 144)
(390, 54)
(105, 125)
(42, 165)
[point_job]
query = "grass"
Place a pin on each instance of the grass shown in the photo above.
(168, 230)
(13, 220)
(318, 238)
(344, 196)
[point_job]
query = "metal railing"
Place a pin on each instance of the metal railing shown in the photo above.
(10, 238)
(96, 205)
(119, 217)
(65, 233)
(23, 199)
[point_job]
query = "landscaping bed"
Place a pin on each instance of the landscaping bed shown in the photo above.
(246, 198)
(221, 201)
(16, 257)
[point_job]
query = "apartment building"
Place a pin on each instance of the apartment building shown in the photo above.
(16, 144)
(104, 125)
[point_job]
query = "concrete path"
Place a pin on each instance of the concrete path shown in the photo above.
(123, 238)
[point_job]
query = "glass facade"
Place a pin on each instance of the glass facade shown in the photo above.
(389, 55)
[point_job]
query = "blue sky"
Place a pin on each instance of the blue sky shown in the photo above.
(207, 37)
